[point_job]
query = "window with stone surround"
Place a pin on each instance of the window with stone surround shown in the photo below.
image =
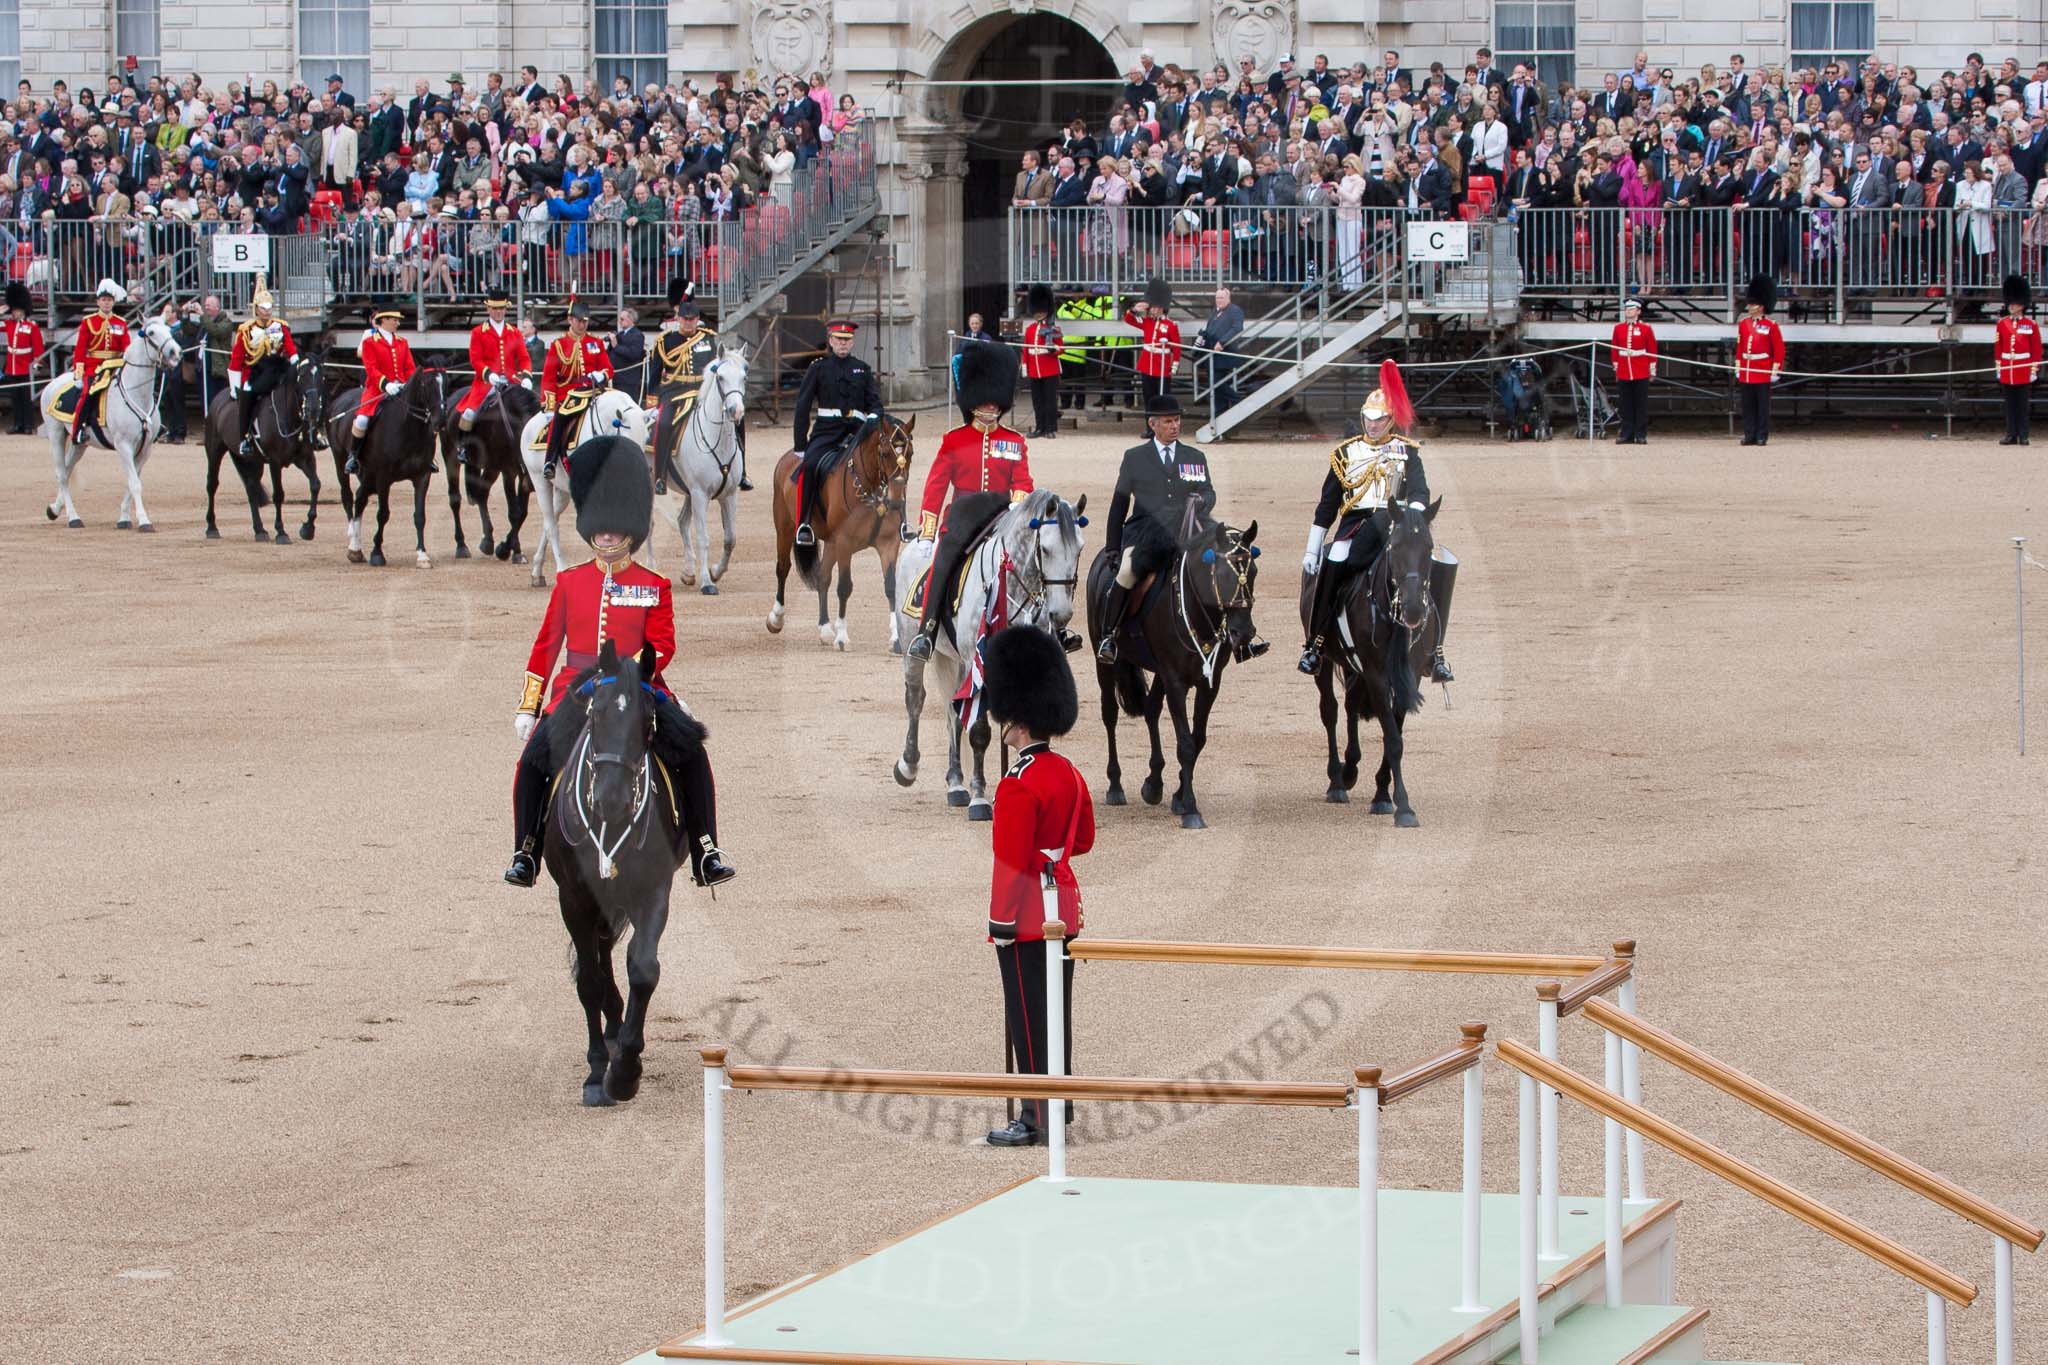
(1826, 31)
(10, 46)
(334, 36)
(1542, 35)
(630, 40)
(138, 34)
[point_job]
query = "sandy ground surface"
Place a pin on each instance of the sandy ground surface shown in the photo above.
(290, 1071)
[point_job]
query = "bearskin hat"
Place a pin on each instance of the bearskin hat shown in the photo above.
(19, 298)
(1158, 293)
(1763, 292)
(987, 375)
(2017, 290)
(609, 483)
(680, 288)
(1039, 302)
(1026, 682)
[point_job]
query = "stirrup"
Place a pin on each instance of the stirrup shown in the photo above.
(547, 469)
(746, 484)
(921, 644)
(1106, 651)
(805, 536)
(354, 465)
(1311, 660)
(525, 869)
(1439, 670)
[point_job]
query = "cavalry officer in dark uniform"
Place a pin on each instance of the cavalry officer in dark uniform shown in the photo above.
(1759, 356)
(839, 403)
(2019, 358)
(257, 362)
(1043, 818)
(983, 464)
(24, 347)
(609, 598)
(1163, 496)
(682, 352)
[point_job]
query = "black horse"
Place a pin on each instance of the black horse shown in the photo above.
(399, 448)
(286, 417)
(1183, 629)
(1382, 643)
(487, 454)
(610, 844)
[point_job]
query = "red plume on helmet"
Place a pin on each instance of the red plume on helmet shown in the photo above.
(1396, 394)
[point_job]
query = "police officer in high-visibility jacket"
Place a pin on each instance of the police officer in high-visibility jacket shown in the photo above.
(2019, 358)
(1074, 355)
(1635, 365)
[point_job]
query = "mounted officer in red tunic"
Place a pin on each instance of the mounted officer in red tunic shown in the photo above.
(102, 344)
(387, 364)
(1044, 819)
(577, 366)
(497, 357)
(612, 600)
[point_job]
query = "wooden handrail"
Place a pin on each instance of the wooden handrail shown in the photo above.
(1466, 1055)
(1356, 959)
(1304, 1094)
(1593, 985)
(1819, 1127)
(1738, 1173)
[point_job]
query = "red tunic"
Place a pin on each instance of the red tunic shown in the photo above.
(1635, 351)
(100, 339)
(1158, 345)
(238, 354)
(384, 362)
(1759, 350)
(1041, 350)
(582, 616)
(566, 369)
(2019, 350)
(494, 350)
(24, 344)
(1042, 803)
(971, 460)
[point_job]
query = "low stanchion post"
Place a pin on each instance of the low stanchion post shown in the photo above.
(2019, 606)
(714, 1197)
(2001, 1298)
(1468, 1279)
(1631, 1073)
(1611, 1197)
(1367, 1098)
(1530, 1326)
(1546, 1043)
(1937, 1329)
(1053, 1112)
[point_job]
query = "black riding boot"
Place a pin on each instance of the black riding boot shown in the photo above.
(246, 402)
(1441, 578)
(1113, 608)
(1318, 613)
(806, 504)
(696, 793)
(746, 484)
(530, 806)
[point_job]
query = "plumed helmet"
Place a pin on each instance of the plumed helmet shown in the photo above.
(1026, 682)
(1039, 303)
(261, 301)
(609, 484)
(107, 289)
(987, 377)
(2017, 290)
(18, 297)
(1389, 400)
(1158, 293)
(1763, 292)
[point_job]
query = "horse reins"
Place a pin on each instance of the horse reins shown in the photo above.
(724, 419)
(588, 759)
(877, 496)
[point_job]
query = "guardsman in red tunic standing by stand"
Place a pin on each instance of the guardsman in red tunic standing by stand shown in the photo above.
(497, 357)
(1759, 356)
(577, 366)
(24, 348)
(1044, 819)
(387, 364)
(610, 598)
(1158, 340)
(102, 336)
(2019, 358)
(1635, 365)
(1042, 342)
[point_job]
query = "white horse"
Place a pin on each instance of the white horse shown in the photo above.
(1040, 539)
(131, 422)
(610, 413)
(706, 466)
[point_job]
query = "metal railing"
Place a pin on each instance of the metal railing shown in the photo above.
(1218, 246)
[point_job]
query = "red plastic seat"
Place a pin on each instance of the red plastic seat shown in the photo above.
(1212, 248)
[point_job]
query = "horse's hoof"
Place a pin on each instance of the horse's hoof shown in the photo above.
(622, 1078)
(516, 559)
(355, 556)
(281, 539)
(147, 529)
(377, 559)
(212, 533)
(594, 1096)
(1114, 797)
(957, 797)
(50, 512)
(462, 552)
(260, 534)
(123, 524)
(1350, 778)
(839, 643)
(686, 580)
(1151, 791)
(306, 530)
(1192, 819)
(904, 774)
(709, 590)
(774, 621)
(75, 524)
(980, 811)
(1337, 796)
(422, 560)
(1382, 806)
(1406, 820)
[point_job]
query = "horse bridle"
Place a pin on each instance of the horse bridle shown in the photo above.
(1030, 598)
(1240, 595)
(1386, 571)
(584, 768)
(428, 414)
(157, 366)
(877, 494)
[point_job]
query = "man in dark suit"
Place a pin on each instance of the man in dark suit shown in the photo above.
(1718, 198)
(1161, 488)
(628, 348)
(1485, 74)
(1069, 189)
(1680, 192)
(1523, 107)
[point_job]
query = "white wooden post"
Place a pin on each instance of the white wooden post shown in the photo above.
(1631, 1076)
(1468, 1280)
(1367, 1097)
(2002, 1298)
(1053, 1112)
(714, 1197)
(1529, 1305)
(1937, 1329)
(1546, 1043)
(1611, 1199)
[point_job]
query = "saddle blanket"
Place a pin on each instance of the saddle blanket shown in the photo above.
(65, 397)
(572, 406)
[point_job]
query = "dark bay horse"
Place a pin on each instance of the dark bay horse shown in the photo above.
(487, 454)
(1382, 645)
(610, 845)
(862, 502)
(1183, 629)
(286, 419)
(399, 448)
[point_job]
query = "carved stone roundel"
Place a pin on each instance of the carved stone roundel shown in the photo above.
(793, 36)
(1260, 29)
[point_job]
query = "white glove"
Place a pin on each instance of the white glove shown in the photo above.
(392, 386)
(234, 386)
(526, 382)
(523, 722)
(1312, 557)
(497, 381)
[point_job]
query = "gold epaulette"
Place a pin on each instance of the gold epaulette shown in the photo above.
(529, 700)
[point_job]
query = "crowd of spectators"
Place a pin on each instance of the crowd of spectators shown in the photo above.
(1686, 163)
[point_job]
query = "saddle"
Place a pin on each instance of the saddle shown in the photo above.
(69, 395)
(573, 405)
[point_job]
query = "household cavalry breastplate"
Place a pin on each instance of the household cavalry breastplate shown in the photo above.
(1370, 475)
(260, 339)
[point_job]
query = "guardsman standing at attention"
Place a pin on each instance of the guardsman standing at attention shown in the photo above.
(1635, 365)
(1042, 342)
(497, 357)
(839, 403)
(257, 362)
(2019, 358)
(24, 348)
(577, 366)
(387, 364)
(610, 599)
(1044, 819)
(1759, 357)
(102, 336)
(1158, 341)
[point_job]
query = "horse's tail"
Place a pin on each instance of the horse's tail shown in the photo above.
(806, 559)
(1402, 686)
(1130, 690)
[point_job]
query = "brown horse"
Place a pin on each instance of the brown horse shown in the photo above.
(862, 503)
